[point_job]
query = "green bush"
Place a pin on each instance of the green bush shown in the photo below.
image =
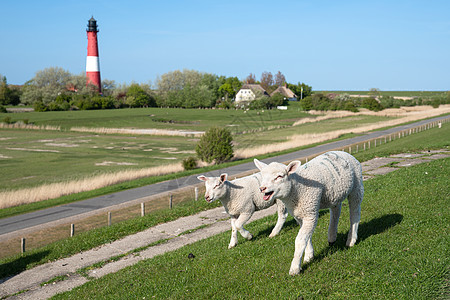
(371, 104)
(40, 106)
(190, 163)
(3, 109)
(7, 120)
(306, 103)
(215, 145)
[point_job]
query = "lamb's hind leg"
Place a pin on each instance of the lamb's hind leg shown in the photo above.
(282, 215)
(354, 203)
(335, 212)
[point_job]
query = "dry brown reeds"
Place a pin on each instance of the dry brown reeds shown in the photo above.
(55, 190)
(312, 138)
(21, 125)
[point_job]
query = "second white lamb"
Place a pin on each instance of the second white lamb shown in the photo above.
(241, 198)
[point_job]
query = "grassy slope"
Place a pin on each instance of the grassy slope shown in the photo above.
(431, 139)
(402, 253)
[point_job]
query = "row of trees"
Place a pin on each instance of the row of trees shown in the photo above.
(323, 102)
(57, 89)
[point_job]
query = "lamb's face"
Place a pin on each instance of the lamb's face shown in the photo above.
(215, 187)
(275, 181)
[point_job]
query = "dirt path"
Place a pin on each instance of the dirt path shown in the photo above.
(165, 237)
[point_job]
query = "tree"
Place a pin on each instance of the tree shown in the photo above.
(46, 85)
(297, 89)
(8, 95)
(250, 79)
(374, 92)
(280, 79)
(266, 80)
(188, 88)
(137, 97)
(215, 145)
(230, 87)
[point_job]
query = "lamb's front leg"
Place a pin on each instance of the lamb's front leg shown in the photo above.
(234, 238)
(301, 241)
(239, 223)
(282, 215)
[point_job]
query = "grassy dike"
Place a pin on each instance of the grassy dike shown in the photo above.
(402, 253)
(431, 139)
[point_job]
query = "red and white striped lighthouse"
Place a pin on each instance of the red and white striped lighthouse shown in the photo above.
(92, 62)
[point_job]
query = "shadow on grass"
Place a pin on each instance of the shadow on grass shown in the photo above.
(287, 225)
(20, 264)
(365, 230)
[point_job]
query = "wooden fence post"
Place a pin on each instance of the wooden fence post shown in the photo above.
(170, 201)
(196, 193)
(109, 218)
(142, 209)
(22, 245)
(72, 230)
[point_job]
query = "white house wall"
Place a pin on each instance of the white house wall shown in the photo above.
(245, 95)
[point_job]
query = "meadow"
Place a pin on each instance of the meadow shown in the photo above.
(431, 139)
(40, 164)
(31, 158)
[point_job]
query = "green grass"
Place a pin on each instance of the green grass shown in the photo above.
(402, 253)
(436, 138)
(422, 94)
(185, 119)
(430, 139)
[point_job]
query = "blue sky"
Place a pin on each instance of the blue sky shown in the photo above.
(330, 45)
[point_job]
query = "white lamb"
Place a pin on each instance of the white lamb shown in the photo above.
(241, 198)
(324, 182)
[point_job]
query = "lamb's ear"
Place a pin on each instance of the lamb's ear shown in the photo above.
(259, 164)
(223, 177)
(202, 178)
(293, 166)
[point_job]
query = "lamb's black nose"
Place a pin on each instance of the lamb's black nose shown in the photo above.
(262, 189)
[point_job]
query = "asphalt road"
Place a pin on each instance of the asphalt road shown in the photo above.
(11, 224)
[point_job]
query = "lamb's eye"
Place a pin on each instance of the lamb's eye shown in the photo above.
(279, 177)
(216, 186)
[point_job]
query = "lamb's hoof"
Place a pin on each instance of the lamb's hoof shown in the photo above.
(350, 243)
(294, 271)
(273, 234)
(308, 259)
(231, 246)
(249, 237)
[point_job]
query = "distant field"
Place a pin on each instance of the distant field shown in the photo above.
(163, 118)
(33, 157)
(390, 93)
(37, 158)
